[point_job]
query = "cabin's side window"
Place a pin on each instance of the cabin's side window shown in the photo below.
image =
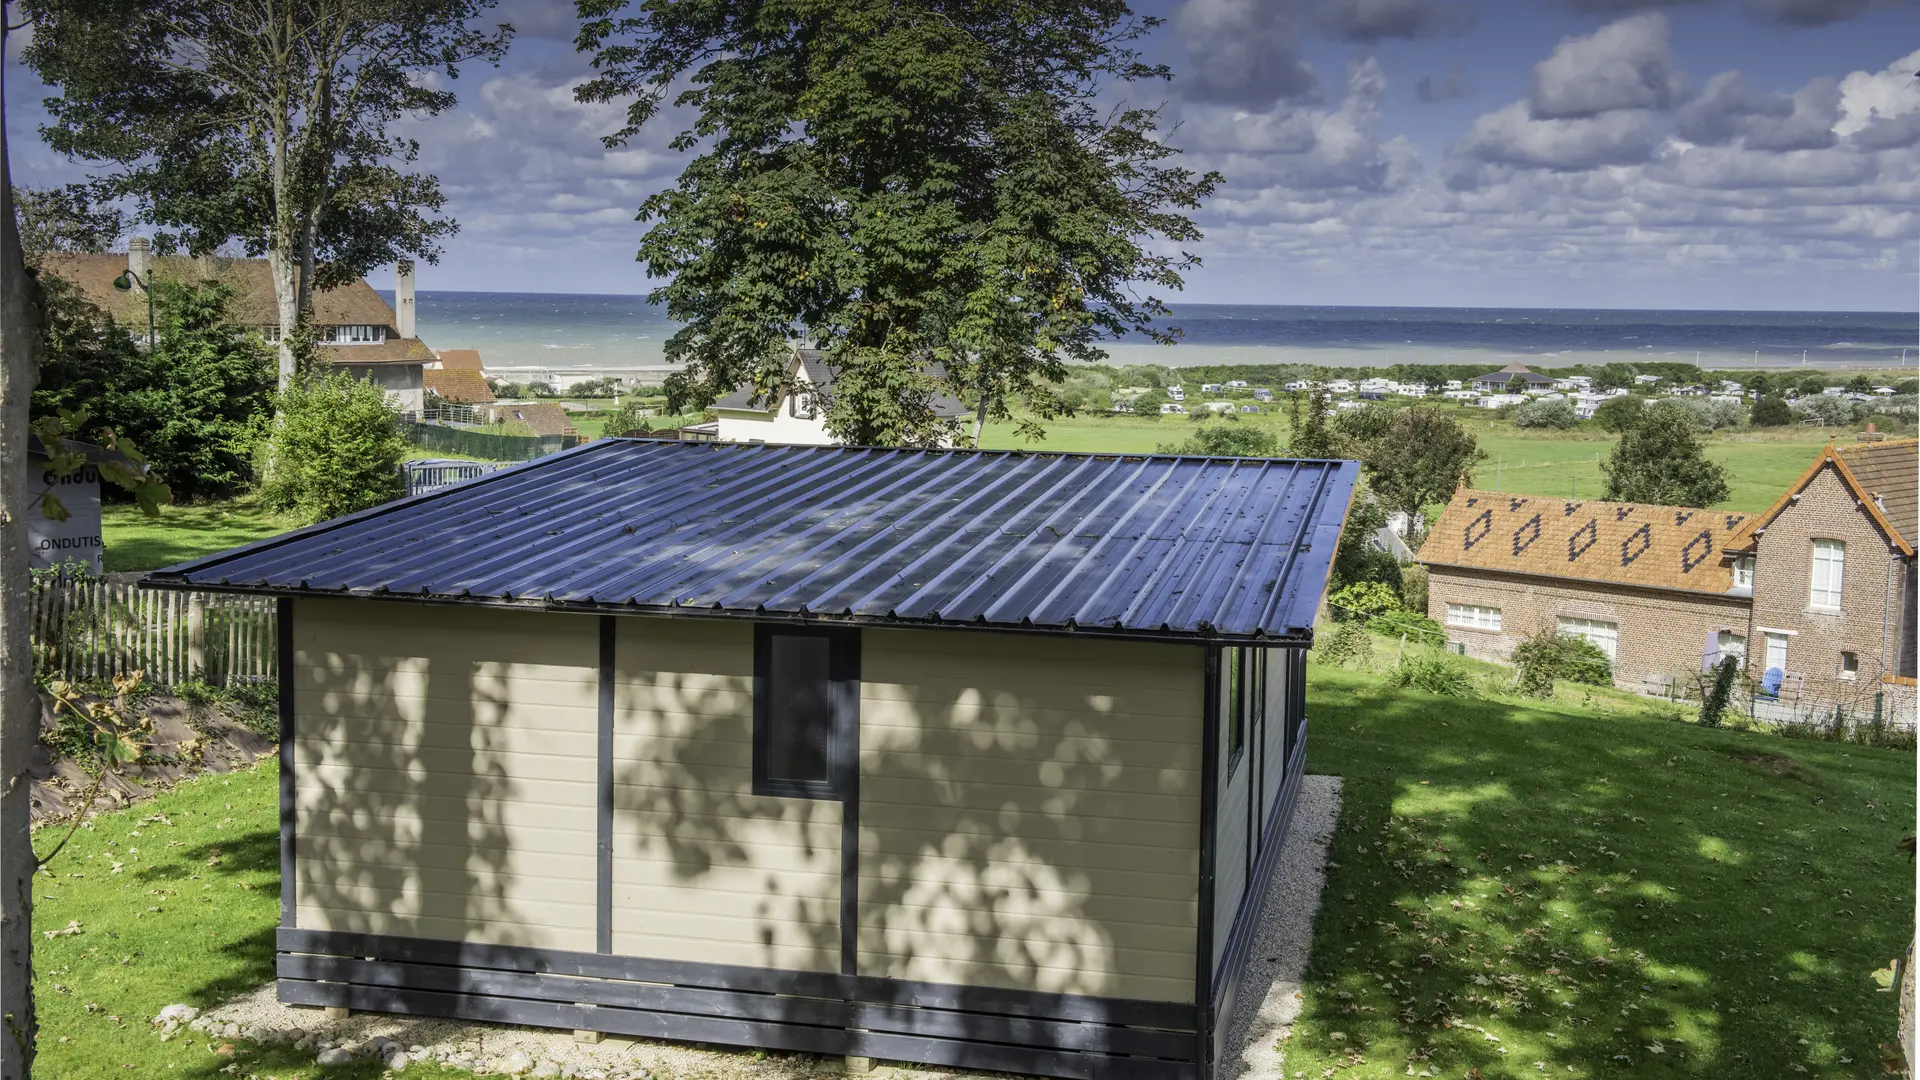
(805, 711)
(1243, 697)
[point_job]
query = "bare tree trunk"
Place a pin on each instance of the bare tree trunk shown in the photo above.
(19, 705)
(287, 303)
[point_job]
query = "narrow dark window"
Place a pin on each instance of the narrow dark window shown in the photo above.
(1233, 704)
(805, 705)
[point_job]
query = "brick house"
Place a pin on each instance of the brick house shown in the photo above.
(1647, 584)
(1821, 585)
(1832, 567)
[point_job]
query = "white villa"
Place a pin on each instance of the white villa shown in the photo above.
(799, 417)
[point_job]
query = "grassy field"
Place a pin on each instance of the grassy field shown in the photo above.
(1551, 890)
(137, 542)
(1759, 465)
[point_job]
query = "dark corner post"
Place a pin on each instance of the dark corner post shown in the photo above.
(603, 843)
(1209, 803)
(283, 669)
(847, 684)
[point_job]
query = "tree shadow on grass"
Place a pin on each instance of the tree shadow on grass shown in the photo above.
(1534, 889)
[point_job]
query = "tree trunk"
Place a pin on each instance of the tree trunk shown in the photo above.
(19, 705)
(287, 302)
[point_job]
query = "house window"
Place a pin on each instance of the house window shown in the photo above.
(1243, 697)
(1604, 634)
(1776, 650)
(1730, 644)
(805, 711)
(1849, 665)
(270, 334)
(1829, 568)
(354, 334)
(1743, 572)
(800, 405)
(1473, 616)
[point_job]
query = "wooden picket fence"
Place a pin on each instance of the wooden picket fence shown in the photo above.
(92, 629)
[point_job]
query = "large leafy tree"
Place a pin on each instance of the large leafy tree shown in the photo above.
(935, 191)
(65, 219)
(1418, 459)
(263, 123)
(1662, 460)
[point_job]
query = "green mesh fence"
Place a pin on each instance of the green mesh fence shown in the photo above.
(453, 440)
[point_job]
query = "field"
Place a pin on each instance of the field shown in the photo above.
(1567, 888)
(1552, 890)
(1759, 465)
(137, 542)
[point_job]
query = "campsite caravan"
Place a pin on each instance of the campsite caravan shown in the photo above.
(978, 759)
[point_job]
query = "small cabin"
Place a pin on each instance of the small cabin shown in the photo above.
(951, 757)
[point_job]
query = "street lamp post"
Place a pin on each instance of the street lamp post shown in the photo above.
(126, 281)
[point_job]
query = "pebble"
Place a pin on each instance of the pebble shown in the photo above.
(176, 1014)
(399, 1061)
(335, 1056)
(546, 1069)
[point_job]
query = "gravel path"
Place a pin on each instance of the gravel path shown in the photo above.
(1270, 994)
(1269, 1003)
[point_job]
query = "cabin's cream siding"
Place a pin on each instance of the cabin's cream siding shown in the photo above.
(1274, 751)
(703, 869)
(444, 766)
(1230, 839)
(1030, 812)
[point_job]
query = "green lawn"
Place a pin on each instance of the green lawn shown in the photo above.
(1760, 465)
(137, 542)
(1547, 890)
(175, 900)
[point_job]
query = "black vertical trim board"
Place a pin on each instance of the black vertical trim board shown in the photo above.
(847, 742)
(283, 622)
(603, 845)
(1209, 798)
(1256, 668)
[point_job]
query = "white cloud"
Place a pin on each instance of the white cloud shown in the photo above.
(1242, 51)
(1624, 65)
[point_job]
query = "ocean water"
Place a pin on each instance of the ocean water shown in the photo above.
(563, 330)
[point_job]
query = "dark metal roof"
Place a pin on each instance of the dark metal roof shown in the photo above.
(1159, 546)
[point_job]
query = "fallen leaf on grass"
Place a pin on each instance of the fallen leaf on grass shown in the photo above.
(72, 928)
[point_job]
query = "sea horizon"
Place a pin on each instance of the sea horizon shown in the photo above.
(580, 330)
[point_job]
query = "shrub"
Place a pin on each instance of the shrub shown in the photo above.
(1362, 600)
(1714, 704)
(1221, 440)
(1432, 671)
(1619, 413)
(1348, 644)
(1413, 587)
(1771, 411)
(1542, 659)
(630, 417)
(1417, 627)
(1545, 414)
(335, 449)
(1832, 410)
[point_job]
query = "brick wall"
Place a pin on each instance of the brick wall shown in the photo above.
(1662, 633)
(1869, 622)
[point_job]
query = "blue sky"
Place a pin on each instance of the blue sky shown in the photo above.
(1568, 153)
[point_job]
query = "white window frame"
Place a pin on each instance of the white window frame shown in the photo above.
(1743, 572)
(1473, 617)
(1772, 639)
(356, 334)
(1602, 633)
(1827, 580)
(1729, 643)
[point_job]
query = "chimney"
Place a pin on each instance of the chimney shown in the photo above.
(140, 259)
(403, 298)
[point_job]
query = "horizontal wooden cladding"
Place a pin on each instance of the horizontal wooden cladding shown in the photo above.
(398, 740)
(483, 688)
(890, 870)
(730, 950)
(341, 861)
(803, 878)
(1025, 823)
(672, 813)
(969, 1027)
(1100, 847)
(438, 892)
(319, 918)
(935, 796)
(467, 812)
(533, 637)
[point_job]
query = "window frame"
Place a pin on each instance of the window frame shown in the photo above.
(1846, 656)
(1743, 572)
(843, 684)
(1581, 626)
(1475, 617)
(1836, 566)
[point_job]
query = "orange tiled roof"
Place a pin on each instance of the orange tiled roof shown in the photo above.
(463, 385)
(460, 358)
(1661, 547)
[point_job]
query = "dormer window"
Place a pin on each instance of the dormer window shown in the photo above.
(354, 334)
(1743, 572)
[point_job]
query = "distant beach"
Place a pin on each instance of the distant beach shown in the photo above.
(572, 331)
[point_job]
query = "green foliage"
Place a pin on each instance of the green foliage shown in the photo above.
(188, 403)
(1831, 410)
(1365, 425)
(1227, 440)
(335, 449)
(1557, 414)
(1771, 411)
(1413, 587)
(1517, 384)
(1544, 658)
(628, 419)
(1433, 671)
(1615, 377)
(1713, 706)
(1356, 559)
(1417, 627)
(1362, 600)
(1620, 413)
(1661, 460)
(1147, 406)
(1348, 645)
(1419, 459)
(910, 184)
(1314, 436)
(65, 219)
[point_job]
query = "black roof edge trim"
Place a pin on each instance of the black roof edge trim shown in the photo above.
(1163, 636)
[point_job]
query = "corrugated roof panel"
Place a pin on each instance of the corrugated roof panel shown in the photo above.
(1160, 545)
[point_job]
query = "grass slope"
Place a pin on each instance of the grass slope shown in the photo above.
(1546, 890)
(176, 900)
(137, 542)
